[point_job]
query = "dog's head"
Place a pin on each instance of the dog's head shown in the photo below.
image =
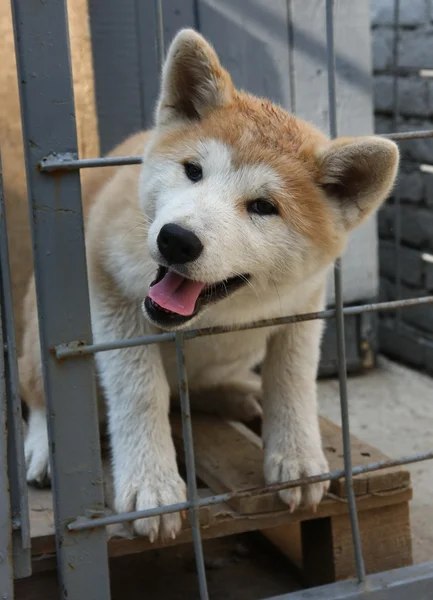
(237, 190)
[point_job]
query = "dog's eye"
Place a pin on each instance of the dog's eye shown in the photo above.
(193, 171)
(263, 207)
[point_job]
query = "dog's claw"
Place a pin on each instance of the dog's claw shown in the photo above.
(292, 507)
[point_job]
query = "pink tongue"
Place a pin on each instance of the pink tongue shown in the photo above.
(176, 293)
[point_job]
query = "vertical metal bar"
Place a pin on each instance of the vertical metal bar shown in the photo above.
(360, 569)
(159, 33)
(190, 465)
(121, 45)
(6, 568)
(397, 197)
(21, 542)
(47, 107)
(196, 11)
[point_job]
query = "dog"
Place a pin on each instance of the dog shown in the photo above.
(236, 214)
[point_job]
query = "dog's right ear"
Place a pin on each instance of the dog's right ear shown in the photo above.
(193, 81)
(357, 175)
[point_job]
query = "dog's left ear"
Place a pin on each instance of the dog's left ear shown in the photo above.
(357, 174)
(193, 80)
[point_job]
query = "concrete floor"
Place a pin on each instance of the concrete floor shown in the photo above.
(392, 408)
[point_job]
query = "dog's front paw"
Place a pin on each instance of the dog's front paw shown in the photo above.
(157, 486)
(36, 451)
(280, 467)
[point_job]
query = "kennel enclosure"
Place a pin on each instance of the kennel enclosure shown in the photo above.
(58, 242)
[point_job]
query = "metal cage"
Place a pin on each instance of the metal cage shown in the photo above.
(58, 242)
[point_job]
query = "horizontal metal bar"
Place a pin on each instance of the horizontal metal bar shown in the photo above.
(427, 257)
(68, 162)
(85, 523)
(77, 348)
(400, 71)
(408, 135)
(415, 582)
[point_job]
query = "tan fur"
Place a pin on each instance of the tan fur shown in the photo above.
(259, 132)
(30, 372)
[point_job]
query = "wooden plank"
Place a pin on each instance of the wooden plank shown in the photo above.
(229, 457)
(42, 519)
(41, 513)
(322, 549)
(222, 521)
(362, 454)
(228, 460)
(328, 548)
(220, 458)
(288, 539)
(225, 521)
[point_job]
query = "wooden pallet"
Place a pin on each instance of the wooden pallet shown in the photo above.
(229, 457)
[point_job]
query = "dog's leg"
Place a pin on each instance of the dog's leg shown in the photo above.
(32, 392)
(36, 439)
(145, 473)
(36, 448)
(235, 400)
(291, 433)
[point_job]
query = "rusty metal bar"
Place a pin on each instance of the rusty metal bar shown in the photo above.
(77, 348)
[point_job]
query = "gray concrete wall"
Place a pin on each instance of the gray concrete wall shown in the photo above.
(412, 341)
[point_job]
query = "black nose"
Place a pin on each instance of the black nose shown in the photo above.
(178, 245)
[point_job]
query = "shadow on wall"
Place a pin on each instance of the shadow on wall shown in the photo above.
(270, 20)
(252, 37)
(254, 49)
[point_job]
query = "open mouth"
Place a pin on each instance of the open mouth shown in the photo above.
(174, 299)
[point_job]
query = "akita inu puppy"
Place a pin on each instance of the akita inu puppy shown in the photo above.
(236, 214)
